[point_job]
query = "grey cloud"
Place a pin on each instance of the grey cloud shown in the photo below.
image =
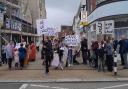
(61, 11)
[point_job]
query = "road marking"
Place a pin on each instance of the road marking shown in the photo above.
(114, 86)
(43, 86)
(24, 86)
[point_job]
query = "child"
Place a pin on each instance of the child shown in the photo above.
(16, 58)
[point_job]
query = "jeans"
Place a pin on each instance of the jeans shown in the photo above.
(101, 63)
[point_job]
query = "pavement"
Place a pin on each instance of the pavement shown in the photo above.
(91, 85)
(77, 73)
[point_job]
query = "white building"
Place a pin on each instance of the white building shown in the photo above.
(80, 18)
(112, 10)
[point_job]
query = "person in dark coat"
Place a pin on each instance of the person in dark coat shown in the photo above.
(122, 49)
(95, 47)
(109, 56)
(48, 53)
(84, 49)
(101, 56)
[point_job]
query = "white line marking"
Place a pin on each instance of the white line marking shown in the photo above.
(114, 86)
(24, 86)
(43, 86)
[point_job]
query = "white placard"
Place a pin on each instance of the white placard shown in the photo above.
(51, 31)
(109, 27)
(41, 27)
(72, 40)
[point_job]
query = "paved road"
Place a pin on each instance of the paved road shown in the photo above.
(91, 85)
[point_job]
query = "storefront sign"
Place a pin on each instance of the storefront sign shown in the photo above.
(100, 27)
(105, 27)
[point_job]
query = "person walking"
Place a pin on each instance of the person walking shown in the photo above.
(101, 56)
(56, 61)
(22, 54)
(61, 50)
(9, 54)
(84, 49)
(47, 51)
(32, 55)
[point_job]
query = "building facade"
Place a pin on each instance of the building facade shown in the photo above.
(18, 19)
(107, 11)
(65, 30)
(80, 19)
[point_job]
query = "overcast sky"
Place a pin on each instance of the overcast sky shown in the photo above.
(61, 12)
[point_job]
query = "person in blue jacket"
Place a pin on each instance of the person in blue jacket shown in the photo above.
(22, 54)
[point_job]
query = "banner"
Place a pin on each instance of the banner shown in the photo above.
(44, 28)
(72, 40)
(41, 27)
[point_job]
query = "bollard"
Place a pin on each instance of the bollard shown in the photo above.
(115, 63)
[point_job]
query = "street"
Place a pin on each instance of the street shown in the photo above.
(75, 85)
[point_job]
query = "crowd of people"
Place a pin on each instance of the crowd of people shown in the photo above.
(55, 53)
(100, 56)
(101, 53)
(18, 57)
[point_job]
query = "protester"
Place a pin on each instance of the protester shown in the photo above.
(51, 49)
(61, 50)
(9, 54)
(109, 55)
(101, 56)
(16, 58)
(70, 56)
(26, 61)
(22, 54)
(32, 55)
(4, 59)
(84, 49)
(47, 52)
(123, 51)
(95, 47)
